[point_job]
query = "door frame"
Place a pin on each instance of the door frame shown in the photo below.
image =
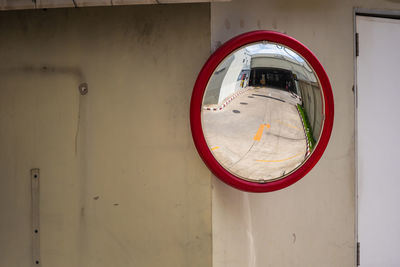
(366, 12)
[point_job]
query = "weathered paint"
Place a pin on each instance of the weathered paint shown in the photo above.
(121, 181)
(318, 212)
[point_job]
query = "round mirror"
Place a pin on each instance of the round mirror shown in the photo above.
(261, 111)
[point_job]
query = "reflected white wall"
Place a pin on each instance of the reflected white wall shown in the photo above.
(231, 83)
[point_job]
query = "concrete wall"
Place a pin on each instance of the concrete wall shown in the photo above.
(121, 182)
(40, 4)
(311, 223)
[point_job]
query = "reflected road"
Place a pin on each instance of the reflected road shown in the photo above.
(259, 134)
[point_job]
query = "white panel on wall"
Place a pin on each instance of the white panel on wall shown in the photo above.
(378, 141)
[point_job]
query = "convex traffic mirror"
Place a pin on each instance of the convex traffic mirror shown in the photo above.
(261, 111)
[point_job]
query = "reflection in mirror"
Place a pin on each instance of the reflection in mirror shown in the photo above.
(262, 112)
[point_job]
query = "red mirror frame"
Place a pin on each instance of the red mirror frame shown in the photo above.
(197, 98)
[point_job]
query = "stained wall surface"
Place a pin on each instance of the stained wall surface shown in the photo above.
(121, 182)
(311, 223)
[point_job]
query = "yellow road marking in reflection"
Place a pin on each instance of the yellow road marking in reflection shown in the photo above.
(258, 135)
(289, 125)
(260, 130)
(280, 160)
(216, 147)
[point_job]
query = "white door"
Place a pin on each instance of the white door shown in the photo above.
(378, 141)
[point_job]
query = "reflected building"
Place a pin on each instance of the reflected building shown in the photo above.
(231, 76)
(289, 72)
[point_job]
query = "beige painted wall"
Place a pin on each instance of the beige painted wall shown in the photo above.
(121, 182)
(127, 188)
(311, 223)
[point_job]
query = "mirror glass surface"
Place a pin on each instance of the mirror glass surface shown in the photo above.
(262, 112)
